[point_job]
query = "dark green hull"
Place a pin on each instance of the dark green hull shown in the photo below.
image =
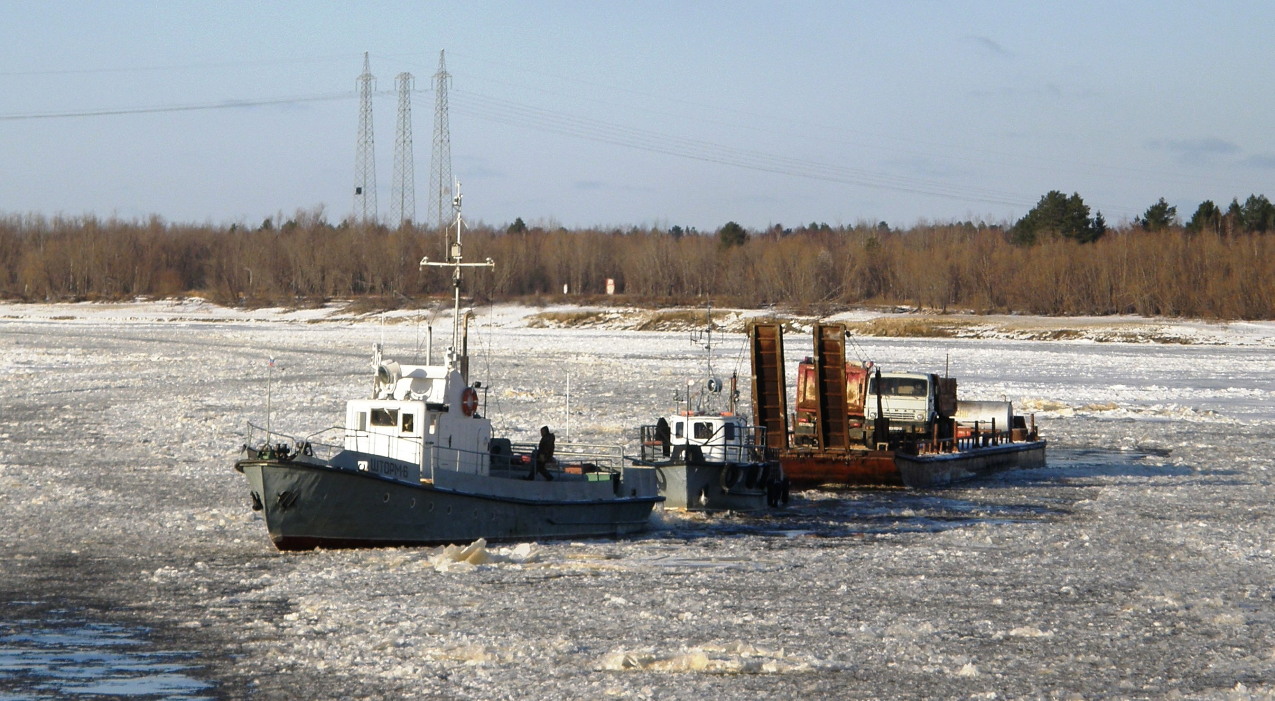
(310, 504)
(945, 469)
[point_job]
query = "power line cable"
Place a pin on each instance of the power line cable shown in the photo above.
(596, 93)
(514, 114)
(227, 104)
(517, 114)
(174, 67)
(917, 147)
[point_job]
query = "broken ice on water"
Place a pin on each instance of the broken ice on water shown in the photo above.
(1138, 563)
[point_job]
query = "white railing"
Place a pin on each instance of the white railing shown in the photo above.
(588, 457)
(472, 462)
(407, 448)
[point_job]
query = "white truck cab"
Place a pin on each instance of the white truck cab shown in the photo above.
(908, 399)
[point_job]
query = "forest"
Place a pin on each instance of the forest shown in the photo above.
(1055, 261)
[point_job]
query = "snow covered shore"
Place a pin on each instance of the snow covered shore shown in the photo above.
(1130, 329)
(1137, 564)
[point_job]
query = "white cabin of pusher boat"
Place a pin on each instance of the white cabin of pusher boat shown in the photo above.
(423, 418)
(721, 438)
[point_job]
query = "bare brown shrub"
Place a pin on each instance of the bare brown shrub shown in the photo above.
(906, 327)
(1173, 272)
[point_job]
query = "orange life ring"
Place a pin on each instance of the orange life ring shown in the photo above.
(469, 401)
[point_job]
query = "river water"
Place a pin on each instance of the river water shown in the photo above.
(1137, 564)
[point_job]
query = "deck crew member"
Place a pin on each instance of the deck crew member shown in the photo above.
(544, 455)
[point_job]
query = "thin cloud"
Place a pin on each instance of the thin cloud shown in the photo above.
(990, 45)
(477, 168)
(1265, 161)
(1197, 150)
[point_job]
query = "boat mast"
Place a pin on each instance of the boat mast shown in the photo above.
(454, 261)
(712, 385)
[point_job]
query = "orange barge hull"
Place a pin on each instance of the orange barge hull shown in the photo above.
(888, 468)
(859, 468)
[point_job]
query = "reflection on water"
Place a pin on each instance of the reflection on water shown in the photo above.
(60, 654)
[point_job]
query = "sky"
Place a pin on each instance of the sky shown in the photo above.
(620, 114)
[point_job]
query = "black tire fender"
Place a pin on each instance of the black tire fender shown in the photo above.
(730, 475)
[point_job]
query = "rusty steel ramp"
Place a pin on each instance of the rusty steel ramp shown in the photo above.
(770, 393)
(831, 417)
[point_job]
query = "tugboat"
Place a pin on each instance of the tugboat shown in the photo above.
(707, 459)
(418, 465)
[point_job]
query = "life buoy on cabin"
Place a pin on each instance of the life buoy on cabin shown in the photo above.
(469, 401)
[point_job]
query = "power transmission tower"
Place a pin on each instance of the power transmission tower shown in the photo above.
(403, 191)
(364, 156)
(440, 172)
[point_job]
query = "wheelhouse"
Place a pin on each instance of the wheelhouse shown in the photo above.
(712, 438)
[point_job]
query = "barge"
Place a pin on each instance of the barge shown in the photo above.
(855, 425)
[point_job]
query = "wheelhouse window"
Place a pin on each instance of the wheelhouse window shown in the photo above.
(900, 387)
(679, 429)
(730, 431)
(409, 423)
(385, 417)
(703, 430)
